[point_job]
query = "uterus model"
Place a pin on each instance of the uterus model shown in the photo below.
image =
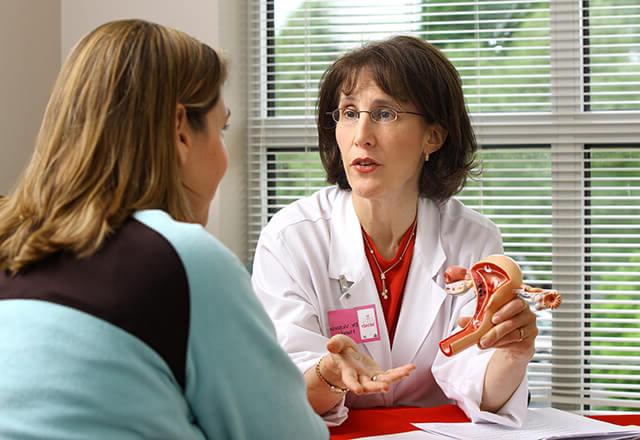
(496, 280)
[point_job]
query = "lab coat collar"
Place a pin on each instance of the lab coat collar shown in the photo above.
(347, 248)
(428, 244)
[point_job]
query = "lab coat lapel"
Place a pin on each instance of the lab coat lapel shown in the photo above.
(346, 254)
(422, 296)
(347, 258)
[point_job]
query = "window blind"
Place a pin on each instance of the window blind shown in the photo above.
(553, 88)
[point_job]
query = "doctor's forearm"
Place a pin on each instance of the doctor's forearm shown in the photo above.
(503, 376)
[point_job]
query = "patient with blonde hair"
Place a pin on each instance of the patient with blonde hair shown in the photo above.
(120, 316)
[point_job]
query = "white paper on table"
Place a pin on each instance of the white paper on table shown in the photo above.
(411, 435)
(542, 423)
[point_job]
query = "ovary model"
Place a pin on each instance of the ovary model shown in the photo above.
(497, 279)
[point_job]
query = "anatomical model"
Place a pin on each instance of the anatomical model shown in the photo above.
(497, 279)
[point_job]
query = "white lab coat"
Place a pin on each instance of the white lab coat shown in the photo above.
(307, 246)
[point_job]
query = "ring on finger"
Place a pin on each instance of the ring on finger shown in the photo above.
(521, 334)
(373, 378)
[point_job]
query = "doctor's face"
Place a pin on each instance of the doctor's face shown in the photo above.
(383, 159)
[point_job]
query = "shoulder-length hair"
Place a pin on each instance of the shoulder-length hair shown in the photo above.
(411, 71)
(107, 143)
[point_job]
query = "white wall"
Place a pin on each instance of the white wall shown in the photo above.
(37, 35)
(79, 17)
(220, 24)
(233, 39)
(30, 59)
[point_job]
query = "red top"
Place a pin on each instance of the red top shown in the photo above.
(395, 279)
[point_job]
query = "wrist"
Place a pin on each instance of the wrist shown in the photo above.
(323, 374)
(330, 370)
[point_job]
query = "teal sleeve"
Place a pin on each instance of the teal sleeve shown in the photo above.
(240, 383)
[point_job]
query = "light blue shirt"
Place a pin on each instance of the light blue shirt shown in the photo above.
(65, 374)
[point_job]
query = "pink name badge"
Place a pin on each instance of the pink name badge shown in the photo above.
(359, 323)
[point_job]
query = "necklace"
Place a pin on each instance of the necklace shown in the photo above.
(385, 292)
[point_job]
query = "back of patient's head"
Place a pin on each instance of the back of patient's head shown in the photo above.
(107, 143)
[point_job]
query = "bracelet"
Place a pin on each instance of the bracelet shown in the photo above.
(334, 389)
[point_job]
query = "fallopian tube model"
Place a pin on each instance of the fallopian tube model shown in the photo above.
(497, 279)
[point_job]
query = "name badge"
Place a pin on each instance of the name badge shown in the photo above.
(359, 323)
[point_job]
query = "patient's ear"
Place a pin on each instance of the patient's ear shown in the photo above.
(183, 135)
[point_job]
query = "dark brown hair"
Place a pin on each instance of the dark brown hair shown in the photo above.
(411, 71)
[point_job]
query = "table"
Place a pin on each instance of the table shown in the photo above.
(379, 421)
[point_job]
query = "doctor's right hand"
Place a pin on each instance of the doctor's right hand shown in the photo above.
(356, 371)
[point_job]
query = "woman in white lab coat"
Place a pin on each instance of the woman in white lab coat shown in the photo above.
(353, 275)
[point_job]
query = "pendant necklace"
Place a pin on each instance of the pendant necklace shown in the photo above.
(385, 292)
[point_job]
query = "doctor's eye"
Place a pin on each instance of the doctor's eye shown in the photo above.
(384, 114)
(350, 114)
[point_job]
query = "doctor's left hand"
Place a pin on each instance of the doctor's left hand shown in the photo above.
(514, 331)
(356, 371)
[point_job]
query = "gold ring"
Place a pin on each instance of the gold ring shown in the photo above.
(521, 334)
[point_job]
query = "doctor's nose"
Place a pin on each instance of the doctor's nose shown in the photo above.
(364, 131)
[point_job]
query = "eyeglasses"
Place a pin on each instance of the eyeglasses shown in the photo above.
(380, 115)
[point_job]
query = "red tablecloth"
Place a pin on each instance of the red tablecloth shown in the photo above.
(379, 421)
